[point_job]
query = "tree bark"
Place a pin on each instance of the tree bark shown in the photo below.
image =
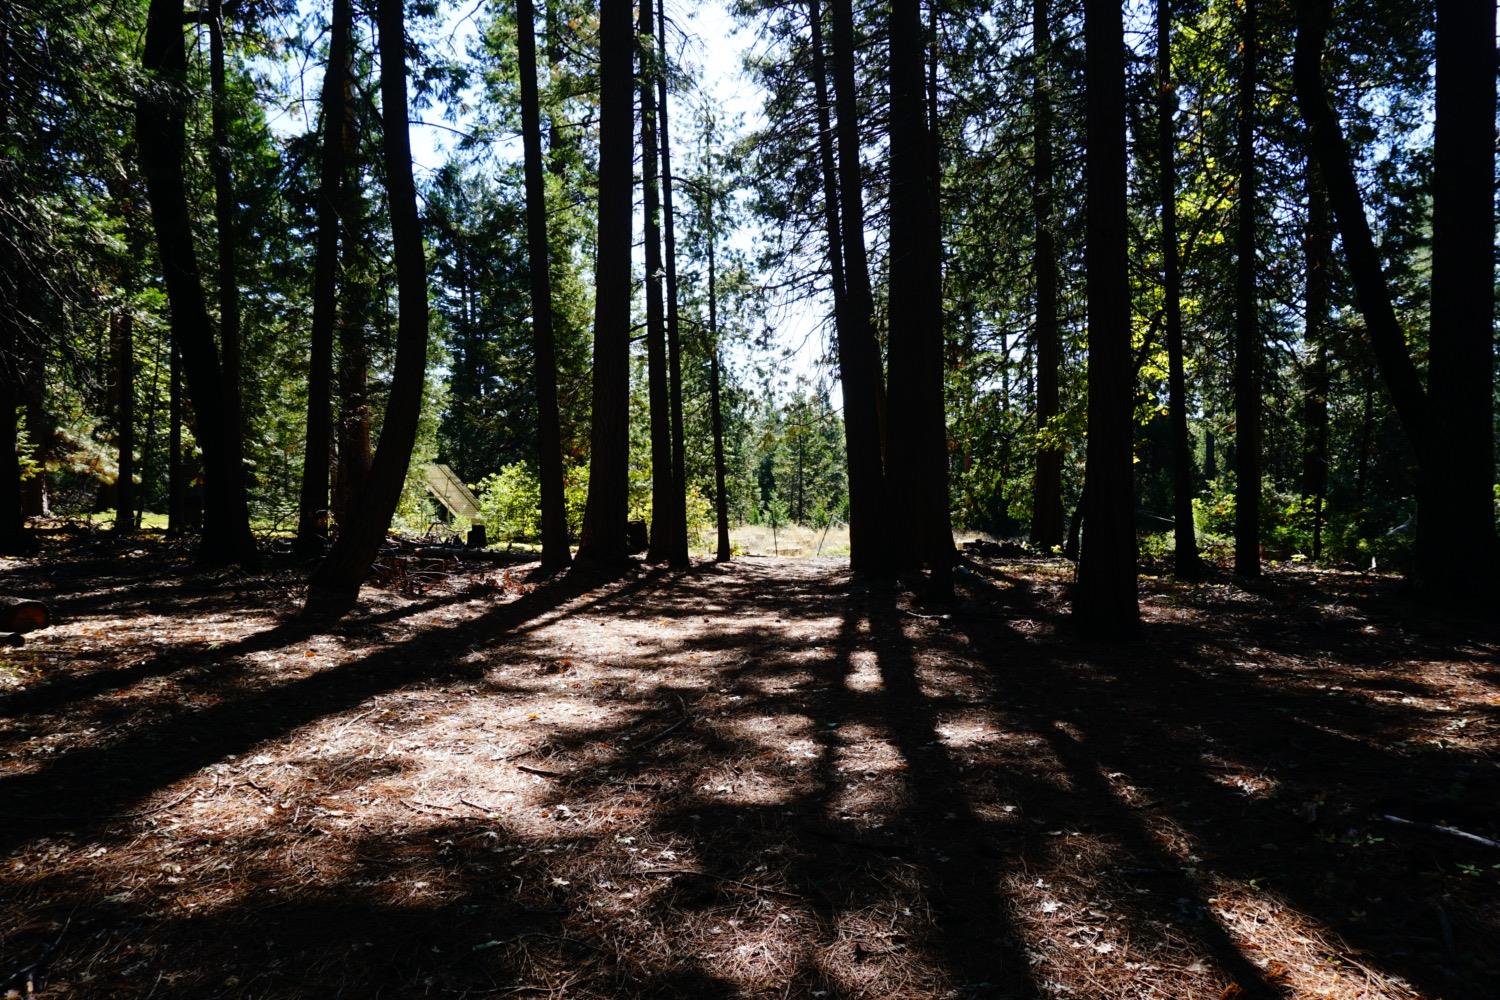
(224, 221)
(1047, 500)
(1449, 423)
(1315, 400)
(176, 508)
(1247, 341)
(721, 495)
(917, 439)
(1185, 543)
(312, 513)
(335, 585)
(124, 347)
(677, 544)
(603, 538)
(1456, 521)
(663, 530)
(860, 368)
(1104, 597)
(160, 141)
(555, 552)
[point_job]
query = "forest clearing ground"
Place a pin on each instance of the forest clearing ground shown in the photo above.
(757, 779)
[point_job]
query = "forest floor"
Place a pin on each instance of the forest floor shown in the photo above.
(757, 779)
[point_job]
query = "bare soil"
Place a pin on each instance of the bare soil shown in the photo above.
(761, 779)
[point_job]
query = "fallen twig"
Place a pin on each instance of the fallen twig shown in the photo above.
(719, 878)
(541, 771)
(1451, 831)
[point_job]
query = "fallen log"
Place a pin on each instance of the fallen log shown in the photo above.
(20, 615)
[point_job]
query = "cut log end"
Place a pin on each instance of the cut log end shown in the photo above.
(19, 615)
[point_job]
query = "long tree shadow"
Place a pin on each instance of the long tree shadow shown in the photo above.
(83, 789)
(1156, 714)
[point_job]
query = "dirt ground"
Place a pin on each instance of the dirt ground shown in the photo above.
(752, 780)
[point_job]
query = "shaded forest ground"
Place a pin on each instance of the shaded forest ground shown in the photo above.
(750, 780)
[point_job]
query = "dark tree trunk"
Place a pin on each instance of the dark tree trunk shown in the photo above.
(160, 141)
(176, 509)
(1247, 343)
(677, 544)
(1456, 518)
(1104, 597)
(721, 495)
(1047, 500)
(312, 516)
(41, 432)
(1332, 154)
(859, 353)
(124, 350)
(1315, 401)
(663, 528)
(352, 323)
(335, 585)
(555, 552)
(14, 537)
(224, 221)
(1449, 424)
(604, 529)
(917, 443)
(1185, 542)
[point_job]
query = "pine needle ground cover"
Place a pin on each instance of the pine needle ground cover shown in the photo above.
(755, 779)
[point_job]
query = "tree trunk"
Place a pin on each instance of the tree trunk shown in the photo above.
(1185, 542)
(176, 509)
(555, 552)
(312, 513)
(1047, 500)
(604, 531)
(1449, 424)
(917, 441)
(14, 537)
(1247, 342)
(124, 347)
(721, 496)
(677, 544)
(335, 585)
(224, 221)
(1456, 521)
(1315, 401)
(1104, 597)
(663, 530)
(160, 142)
(859, 353)
(352, 325)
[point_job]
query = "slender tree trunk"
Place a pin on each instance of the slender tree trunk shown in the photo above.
(555, 552)
(1047, 500)
(353, 371)
(1315, 409)
(124, 347)
(148, 448)
(677, 544)
(41, 431)
(1185, 542)
(663, 530)
(312, 516)
(160, 141)
(1449, 424)
(604, 537)
(14, 537)
(335, 585)
(860, 369)
(176, 509)
(224, 221)
(721, 495)
(1456, 549)
(1104, 597)
(1247, 342)
(917, 442)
